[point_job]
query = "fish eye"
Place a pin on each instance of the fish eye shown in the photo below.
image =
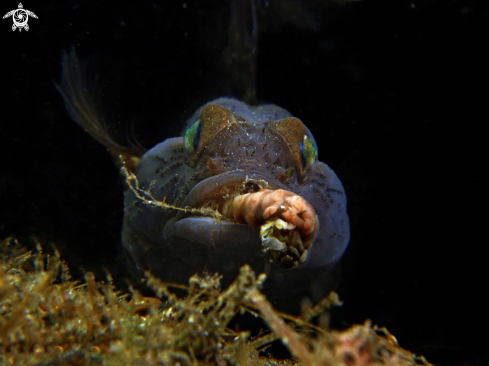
(192, 136)
(309, 153)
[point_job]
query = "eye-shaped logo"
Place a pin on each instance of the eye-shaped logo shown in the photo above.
(20, 17)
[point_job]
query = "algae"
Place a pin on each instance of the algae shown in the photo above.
(47, 318)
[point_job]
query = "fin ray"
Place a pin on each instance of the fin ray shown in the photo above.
(83, 109)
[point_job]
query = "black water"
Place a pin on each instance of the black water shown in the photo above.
(394, 92)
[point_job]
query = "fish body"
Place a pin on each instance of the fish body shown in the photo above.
(231, 148)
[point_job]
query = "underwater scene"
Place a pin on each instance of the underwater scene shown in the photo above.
(243, 182)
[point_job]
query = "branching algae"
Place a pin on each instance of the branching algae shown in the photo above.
(46, 318)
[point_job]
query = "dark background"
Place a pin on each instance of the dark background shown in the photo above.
(395, 93)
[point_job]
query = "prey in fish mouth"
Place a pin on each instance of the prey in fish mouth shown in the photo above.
(282, 217)
(241, 185)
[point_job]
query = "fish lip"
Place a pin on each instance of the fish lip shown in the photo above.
(210, 190)
(213, 187)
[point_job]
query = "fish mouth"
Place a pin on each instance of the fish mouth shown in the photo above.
(214, 191)
(203, 223)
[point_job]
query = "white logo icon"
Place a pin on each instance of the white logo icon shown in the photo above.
(20, 17)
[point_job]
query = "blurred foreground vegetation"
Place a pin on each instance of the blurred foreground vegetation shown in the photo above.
(46, 318)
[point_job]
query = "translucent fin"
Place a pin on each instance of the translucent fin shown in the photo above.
(80, 103)
(240, 55)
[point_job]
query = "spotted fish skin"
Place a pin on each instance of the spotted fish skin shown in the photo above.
(230, 148)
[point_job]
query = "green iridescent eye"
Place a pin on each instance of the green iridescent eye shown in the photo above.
(192, 136)
(309, 153)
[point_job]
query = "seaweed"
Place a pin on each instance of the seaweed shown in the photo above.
(48, 319)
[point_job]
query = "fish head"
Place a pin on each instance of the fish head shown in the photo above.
(227, 149)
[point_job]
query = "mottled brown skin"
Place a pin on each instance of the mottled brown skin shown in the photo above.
(241, 149)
